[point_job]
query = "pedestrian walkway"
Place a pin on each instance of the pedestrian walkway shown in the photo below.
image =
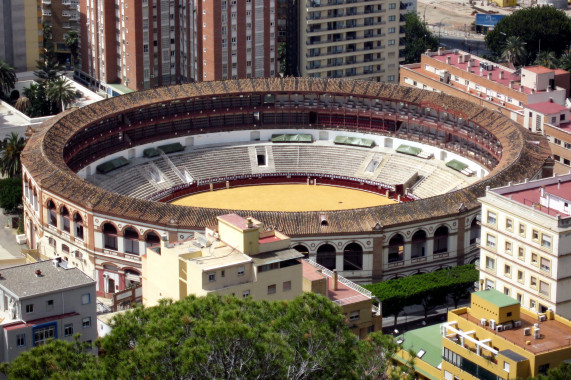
(10, 251)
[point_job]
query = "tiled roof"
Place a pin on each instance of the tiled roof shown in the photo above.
(547, 108)
(43, 158)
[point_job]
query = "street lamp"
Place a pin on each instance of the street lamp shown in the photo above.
(440, 26)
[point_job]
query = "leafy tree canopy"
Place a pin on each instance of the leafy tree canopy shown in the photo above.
(10, 149)
(222, 338)
(418, 39)
(545, 23)
(10, 193)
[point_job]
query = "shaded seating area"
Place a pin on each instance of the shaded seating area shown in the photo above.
(354, 141)
(460, 166)
(292, 138)
(150, 152)
(111, 165)
(413, 151)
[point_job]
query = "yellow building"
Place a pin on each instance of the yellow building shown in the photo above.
(238, 258)
(495, 338)
(504, 3)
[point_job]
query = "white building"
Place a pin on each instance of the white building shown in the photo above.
(526, 235)
(42, 301)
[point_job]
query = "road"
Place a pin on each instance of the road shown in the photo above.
(476, 46)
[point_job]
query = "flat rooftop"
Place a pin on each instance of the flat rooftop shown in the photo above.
(496, 298)
(344, 295)
(548, 108)
(219, 255)
(554, 334)
(426, 342)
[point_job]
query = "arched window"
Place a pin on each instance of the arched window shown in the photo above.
(65, 219)
(132, 278)
(418, 245)
(109, 236)
(78, 226)
(353, 257)
(131, 241)
(302, 249)
(474, 231)
(326, 256)
(52, 214)
(65, 249)
(396, 248)
(440, 240)
(152, 239)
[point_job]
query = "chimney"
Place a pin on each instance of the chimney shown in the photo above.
(249, 222)
(460, 59)
(472, 62)
(468, 69)
(38, 273)
(439, 51)
(558, 184)
(490, 76)
(511, 84)
(448, 60)
(532, 90)
(502, 74)
(335, 279)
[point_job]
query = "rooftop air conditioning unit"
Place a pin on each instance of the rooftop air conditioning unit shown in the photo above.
(493, 324)
(483, 321)
(537, 333)
(499, 328)
(542, 318)
(527, 331)
(517, 323)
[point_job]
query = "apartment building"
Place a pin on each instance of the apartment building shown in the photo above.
(41, 301)
(358, 39)
(554, 121)
(242, 259)
(147, 43)
(61, 16)
(494, 338)
(486, 83)
(20, 40)
(526, 235)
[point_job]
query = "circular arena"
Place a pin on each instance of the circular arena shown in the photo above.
(103, 182)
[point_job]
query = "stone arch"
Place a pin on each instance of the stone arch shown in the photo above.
(441, 237)
(110, 234)
(353, 256)
(301, 248)
(475, 231)
(326, 256)
(52, 212)
(396, 248)
(152, 237)
(78, 225)
(65, 218)
(418, 244)
(131, 239)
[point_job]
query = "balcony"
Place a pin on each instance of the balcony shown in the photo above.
(47, 2)
(46, 12)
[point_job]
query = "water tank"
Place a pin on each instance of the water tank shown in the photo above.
(557, 4)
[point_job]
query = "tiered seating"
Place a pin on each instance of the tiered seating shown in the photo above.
(214, 162)
(399, 169)
(439, 182)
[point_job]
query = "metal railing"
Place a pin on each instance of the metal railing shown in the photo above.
(341, 279)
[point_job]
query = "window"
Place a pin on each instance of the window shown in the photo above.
(49, 305)
(546, 241)
(533, 282)
(392, 18)
(222, 273)
(507, 270)
(42, 334)
(532, 304)
(272, 289)
(391, 30)
(86, 322)
(506, 291)
(241, 270)
(355, 315)
(520, 276)
(68, 329)
(506, 366)
(21, 340)
(246, 293)
(535, 235)
(544, 288)
(391, 42)
(509, 224)
(490, 263)
(491, 241)
(85, 299)
(534, 258)
(29, 308)
(286, 286)
(392, 5)
(522, 229)
(212, 277)
(545, 264)
(519, 297)
(491, 217)
(489, 284)
(508, 247)
(521, 253)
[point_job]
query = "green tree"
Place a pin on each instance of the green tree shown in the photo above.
(545, 26)
(418, 39)
(514, 51)
(10, 151)
(562, 372)
(71, 40)
(22, 104)
(282, 56)
(48, 68)
(7, 78)
(10, 194)
(547, 59)
(565, 61)
(39, 104)
(60, 92)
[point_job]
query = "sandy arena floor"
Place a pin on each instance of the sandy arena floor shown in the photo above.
(285, 198)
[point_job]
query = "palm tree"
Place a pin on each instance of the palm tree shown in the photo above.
(514, 50)
(48, 67)
(10, 151)
(71, 40)
(547, 59)
(7, 77)
(61, 92)
(22, 103)
(565, 61)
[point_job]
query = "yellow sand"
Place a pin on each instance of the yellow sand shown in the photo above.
(285, 198)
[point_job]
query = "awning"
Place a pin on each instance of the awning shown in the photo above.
(171, 148)
(354, 141)
(276, 256)
(286, 138)
(406, 149)
(108, 166)
(456, 165)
